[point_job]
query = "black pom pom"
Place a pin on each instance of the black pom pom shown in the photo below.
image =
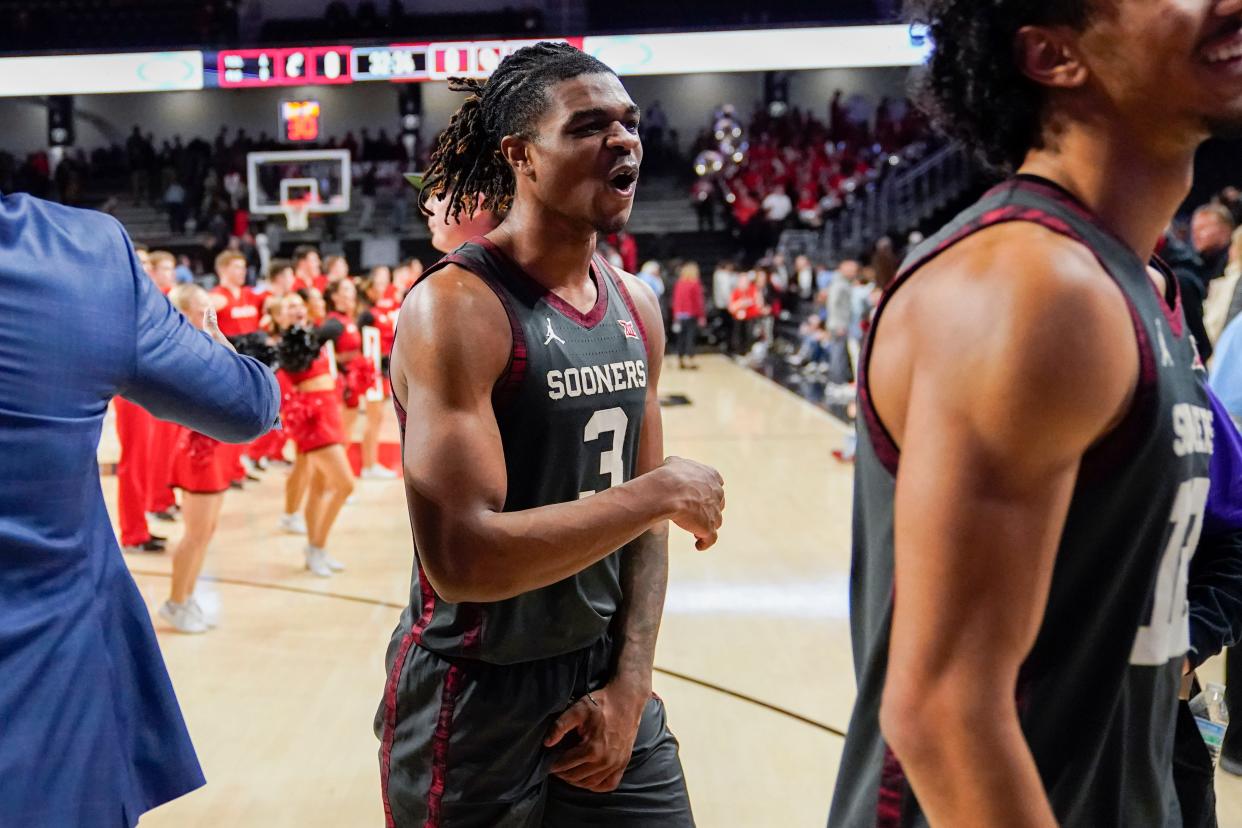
(299, 346)
(258, 346)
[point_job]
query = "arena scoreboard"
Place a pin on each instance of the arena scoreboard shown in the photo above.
(315, 66)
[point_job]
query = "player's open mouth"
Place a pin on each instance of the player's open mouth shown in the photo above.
(1223, 48)
(624, 179)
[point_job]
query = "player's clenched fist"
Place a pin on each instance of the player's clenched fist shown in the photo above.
(698, 498)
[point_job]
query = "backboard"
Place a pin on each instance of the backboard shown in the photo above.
(297, 183)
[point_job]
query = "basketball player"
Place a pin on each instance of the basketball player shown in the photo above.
(450, 232)
(525, 374)
(1034, 440)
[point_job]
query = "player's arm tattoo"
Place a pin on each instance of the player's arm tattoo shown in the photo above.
(644, 579)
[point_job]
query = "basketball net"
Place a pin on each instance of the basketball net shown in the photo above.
(297, 214)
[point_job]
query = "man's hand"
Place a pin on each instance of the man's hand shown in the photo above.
(698, 491)
(607, 723)
(212, 327)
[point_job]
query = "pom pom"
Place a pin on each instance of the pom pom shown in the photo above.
(257, 345)
(299, 346)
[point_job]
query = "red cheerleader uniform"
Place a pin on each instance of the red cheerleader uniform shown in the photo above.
(201, 465)
(356, 372)
(383, 317)
(312, 418)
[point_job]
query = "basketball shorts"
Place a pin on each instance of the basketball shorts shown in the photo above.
(462, 747)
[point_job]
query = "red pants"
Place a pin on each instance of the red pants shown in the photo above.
(134, 427)
(160, 498)
(270, 446)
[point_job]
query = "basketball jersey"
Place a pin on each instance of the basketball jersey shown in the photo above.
(1097, 694)
(570, 409)
(240, 314)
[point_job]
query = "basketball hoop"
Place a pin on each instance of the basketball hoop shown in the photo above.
(297, 214)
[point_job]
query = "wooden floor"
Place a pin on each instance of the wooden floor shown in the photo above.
(753, 663)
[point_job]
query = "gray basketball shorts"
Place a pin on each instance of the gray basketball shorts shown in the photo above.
(461, 746)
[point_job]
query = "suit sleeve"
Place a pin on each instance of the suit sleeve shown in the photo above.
(1215, 585)
(180, 374)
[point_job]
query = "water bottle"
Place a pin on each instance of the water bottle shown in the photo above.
(1212, 717)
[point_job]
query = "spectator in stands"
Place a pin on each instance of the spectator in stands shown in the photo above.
(804, 279)
(1211, 230)
(184, 272)
(655, 125)
(689, 313)
(651, 275)
(746, 308)
(367, 189)
(812, 355)
(839, 317)
(627, 248)
(724, 279)
(703, 197)
(1224, 300)
(174, 201)
(777, 207)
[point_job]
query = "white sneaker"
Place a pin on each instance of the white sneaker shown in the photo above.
(207, 600)
(316, 561)
(378, 472)
(186, 618)
(333, 563)
(293, 524)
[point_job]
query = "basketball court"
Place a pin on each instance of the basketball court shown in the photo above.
(754, 658)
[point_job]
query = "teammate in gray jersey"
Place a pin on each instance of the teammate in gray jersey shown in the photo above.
(1033, 458)
(524, 373)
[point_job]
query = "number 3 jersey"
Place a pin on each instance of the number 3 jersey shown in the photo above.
(570, 409)
(1097, 694)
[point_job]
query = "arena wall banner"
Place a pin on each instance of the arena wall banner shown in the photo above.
(96, 74)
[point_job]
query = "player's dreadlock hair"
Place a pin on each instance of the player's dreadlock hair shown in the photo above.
(466, 162)
(972, 87)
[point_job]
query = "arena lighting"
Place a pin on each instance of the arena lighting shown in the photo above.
(96, 74)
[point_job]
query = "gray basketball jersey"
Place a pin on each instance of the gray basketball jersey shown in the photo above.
(570, 409)
(1097, 694)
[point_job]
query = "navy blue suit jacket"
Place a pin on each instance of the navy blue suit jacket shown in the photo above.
(90, 731)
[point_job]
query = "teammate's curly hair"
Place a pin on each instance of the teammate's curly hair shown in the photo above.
(466, 162)
(972, 87)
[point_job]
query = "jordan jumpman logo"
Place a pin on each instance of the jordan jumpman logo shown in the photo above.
(552, 334)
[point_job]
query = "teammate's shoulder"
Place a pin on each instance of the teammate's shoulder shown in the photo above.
(454, 296)
(1024, 258)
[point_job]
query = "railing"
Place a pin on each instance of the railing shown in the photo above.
(893, 204)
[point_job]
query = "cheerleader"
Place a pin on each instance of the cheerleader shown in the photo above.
(311, 412)
(357, 372)
(381, 314)
(200, 469)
